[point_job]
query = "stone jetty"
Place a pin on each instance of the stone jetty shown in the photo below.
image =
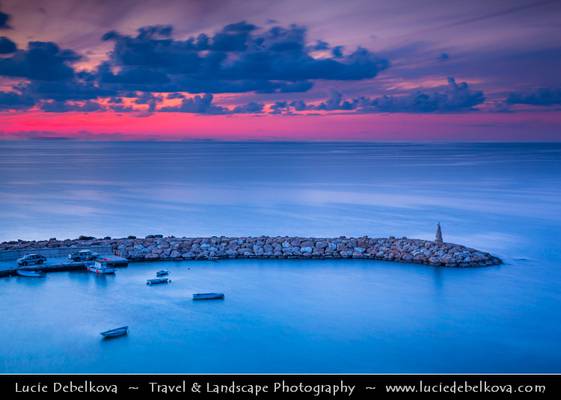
(159, 248)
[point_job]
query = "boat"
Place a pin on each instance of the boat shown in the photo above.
(162, 272)
(30, 274)
(208, 296)
(157, 281)
(100, 267)
(112, 333)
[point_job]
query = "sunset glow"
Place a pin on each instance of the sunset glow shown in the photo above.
(233, 73)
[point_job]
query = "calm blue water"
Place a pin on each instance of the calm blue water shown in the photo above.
(288, 316)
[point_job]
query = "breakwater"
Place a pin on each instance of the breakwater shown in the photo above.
(159, 248)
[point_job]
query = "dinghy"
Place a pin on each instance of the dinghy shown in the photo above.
(157, 281)
(208, 296)
(162, 272)
(112, 333)
(100, 267)
(30, 274)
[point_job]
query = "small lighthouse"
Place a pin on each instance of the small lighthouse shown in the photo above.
(438, 238)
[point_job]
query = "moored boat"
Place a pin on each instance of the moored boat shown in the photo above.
(112, 333)
(100, 267)
(30, 274)
(162, 272)
(157, 281)
(208, 296)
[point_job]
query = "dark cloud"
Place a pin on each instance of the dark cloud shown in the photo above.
(443, 57)
(15, 101)
(66, 106)
(134, 77)
(43, 61)
(203, 104)
(455, 97)
(71, 89)
(7, 46)
(232, 38)
(249, 108)
(539, 97)
(4, 20)
(335, 102)
(152, 65)
(320, 45)
(337, 51)
(239, 58)
(281, 107)
(120, 108)
(115, 100)
(197, 104)
(149, 99)
(172, 96)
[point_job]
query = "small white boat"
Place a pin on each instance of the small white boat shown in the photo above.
(208, 296)
(30, 274)
(157, 281)
(162, 272)
(112, 333)
(100, 267)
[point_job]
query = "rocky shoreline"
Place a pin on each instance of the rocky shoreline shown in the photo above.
(159, 248)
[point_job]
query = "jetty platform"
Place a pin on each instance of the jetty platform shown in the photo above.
(57, 259)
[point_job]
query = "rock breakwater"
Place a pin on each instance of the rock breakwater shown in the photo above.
(159, 248)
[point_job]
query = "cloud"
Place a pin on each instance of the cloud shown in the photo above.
(4, 20)
(539, 97)
(7, 46)
(203, 104)
(249, 108)
(240, 57)
(148, 99)
(197, 104)
(172, 96)
(76, 88)
(455, 97)
(65, 106)
(335, 102)
(43, 61)
(15, 101)
(153, 65)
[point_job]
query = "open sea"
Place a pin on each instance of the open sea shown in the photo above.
(287, 315)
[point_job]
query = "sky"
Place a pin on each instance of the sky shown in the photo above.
(285, 70)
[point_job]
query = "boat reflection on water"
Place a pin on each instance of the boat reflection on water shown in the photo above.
(30, 274)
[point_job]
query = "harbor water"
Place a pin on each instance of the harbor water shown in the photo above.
(287, 315)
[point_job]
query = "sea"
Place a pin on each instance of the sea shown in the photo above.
(294, 316)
